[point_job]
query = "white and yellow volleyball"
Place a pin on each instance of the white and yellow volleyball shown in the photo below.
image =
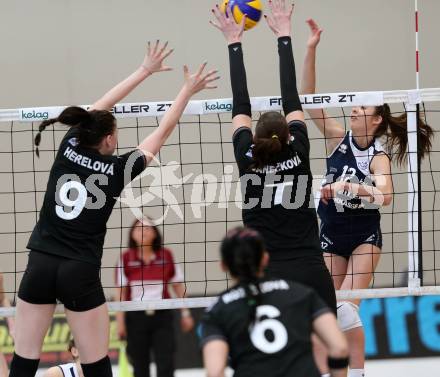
(253, 9)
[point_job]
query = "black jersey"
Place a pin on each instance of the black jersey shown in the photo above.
(277, 199)
(279, 343)
(82, 189)
(347, 213)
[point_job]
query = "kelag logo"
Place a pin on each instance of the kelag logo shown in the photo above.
(34, 115)
(401, 327)
(216, 106)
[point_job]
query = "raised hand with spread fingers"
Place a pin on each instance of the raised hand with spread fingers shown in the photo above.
(225, 22)
(279, 20)
(153, 62)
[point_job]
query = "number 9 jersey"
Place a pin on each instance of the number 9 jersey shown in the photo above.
(82, 189)
(278, 344)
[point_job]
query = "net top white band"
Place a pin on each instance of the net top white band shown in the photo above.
(202, 302)
(224, 105)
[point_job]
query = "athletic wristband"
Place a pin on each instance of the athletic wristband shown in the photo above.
(337, 363)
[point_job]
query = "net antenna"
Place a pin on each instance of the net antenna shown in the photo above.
(415, 246)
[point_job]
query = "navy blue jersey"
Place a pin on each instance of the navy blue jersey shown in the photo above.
(82, 189)
(278, 344)
(277, 200)
(350, 163)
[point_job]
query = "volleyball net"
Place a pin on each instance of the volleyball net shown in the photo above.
(192, 191)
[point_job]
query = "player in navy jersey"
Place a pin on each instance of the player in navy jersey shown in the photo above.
(265, 324)
(72, 369)
(66, 244)
(358, 182)
(274, 164)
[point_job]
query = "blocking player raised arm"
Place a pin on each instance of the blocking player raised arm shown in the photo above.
(332, 130)
(233, 32)
(279, 22)
(69, 235)
(153, 62)
(193, 84)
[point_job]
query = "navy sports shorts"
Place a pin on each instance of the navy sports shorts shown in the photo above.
(343, 243)
(49, 278)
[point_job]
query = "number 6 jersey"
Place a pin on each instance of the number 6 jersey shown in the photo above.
(278, 344)
(82, 189)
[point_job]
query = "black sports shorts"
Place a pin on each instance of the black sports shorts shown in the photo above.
(310, 271)
(49, 278)
(344, 243)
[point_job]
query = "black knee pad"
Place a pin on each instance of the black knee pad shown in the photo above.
(22, 367)
(100, 368)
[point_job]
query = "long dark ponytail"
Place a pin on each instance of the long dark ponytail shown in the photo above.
(395, 128)
(242, 251)
(271, 133)
(93, 125)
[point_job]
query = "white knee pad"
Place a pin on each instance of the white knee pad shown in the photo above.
(348, 316)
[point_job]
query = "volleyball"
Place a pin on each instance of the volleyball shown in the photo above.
(253, 10)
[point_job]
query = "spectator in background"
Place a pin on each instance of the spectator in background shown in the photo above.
(72, 369)
(145, 272)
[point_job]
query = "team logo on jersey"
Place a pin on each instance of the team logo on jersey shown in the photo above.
(343, 148)
(363, 164)
(73, 141)
(249, 152)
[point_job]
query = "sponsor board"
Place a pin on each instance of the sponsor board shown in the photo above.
(217, 106)
(213, 106)
(318, 101)
(39, 114)
(402, 327)
(55, 342)
(58, 335)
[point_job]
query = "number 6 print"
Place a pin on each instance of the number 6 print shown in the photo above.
(257, 331)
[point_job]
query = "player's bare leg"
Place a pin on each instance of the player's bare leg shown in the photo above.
(337, 266)
(91, 330)
(361, 267)
(32, 322)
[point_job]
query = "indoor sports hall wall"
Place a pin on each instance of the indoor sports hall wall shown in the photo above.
(71, 52)
(57, 52)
